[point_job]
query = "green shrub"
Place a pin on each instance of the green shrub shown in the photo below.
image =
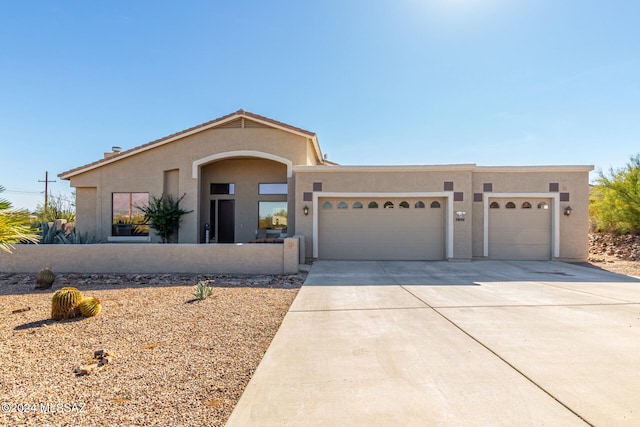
(614, 202)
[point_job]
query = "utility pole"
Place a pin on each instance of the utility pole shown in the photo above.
(46, 190)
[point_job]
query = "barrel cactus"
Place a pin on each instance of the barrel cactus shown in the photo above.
(90, 306)
(64, 303)
(45, 278)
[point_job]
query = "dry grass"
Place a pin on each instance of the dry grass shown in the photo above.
(177, 361)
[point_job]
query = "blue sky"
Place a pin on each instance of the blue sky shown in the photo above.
(491, 82)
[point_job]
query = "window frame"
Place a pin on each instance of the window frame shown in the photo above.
(280, 227)
(127, 224)
(230, 189)
(274, 188)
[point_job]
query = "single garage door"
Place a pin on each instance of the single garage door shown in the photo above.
(381, 229)
(520, 229)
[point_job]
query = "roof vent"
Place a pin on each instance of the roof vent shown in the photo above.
(115, 150)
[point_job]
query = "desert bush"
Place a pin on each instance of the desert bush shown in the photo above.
(614, 202)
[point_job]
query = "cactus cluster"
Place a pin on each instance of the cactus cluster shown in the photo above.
(90, 307)
(68, 303)
(64, 303)
(45, 278)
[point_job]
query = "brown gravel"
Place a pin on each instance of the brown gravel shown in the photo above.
(619, 254)
(615, 265)
(177, 361)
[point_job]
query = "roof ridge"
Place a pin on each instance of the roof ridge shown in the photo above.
(239, 113)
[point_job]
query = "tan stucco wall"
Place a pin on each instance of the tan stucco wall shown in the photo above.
(427, 179)
(573, 230)
(144, 172)
(468, 235)
(154, 258)
(87, 202)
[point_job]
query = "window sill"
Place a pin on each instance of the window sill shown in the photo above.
(128, 239)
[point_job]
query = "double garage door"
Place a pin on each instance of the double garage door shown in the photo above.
(520, 228)
(382, 229)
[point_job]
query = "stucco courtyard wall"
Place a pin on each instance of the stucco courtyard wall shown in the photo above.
(155, 258)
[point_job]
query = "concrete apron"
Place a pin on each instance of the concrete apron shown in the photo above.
(438, 343)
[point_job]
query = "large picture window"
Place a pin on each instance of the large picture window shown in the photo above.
(272, 215)
(127, 218)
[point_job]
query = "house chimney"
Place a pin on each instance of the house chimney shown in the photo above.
(115, 150)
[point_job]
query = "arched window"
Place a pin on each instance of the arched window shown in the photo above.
(404, 205)
(373, 205)
(543, 205)
(435, 204)
(419, 205)
(526, 205)
(327, 205)
(510, 205)
(343, 205)
(494, 205)
(388, 205)
(357, 205)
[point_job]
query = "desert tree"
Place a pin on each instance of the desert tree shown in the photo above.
(615, 200)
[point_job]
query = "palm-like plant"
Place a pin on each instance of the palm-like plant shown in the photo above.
(164, 215)
(14, 226)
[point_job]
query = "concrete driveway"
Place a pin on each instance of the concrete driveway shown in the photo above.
(446, 343)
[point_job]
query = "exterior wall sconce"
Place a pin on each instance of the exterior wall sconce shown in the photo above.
(305, 209)
(460, 215)
(567, 211)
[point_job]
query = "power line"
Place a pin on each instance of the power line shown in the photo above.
(15, 191)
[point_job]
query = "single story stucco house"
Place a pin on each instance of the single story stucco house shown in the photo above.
(247, 177)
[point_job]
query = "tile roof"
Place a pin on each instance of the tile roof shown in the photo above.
(194, 129)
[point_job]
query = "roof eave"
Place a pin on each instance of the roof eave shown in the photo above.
(191, 131)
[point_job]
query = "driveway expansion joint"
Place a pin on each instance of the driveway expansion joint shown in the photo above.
(328, 310)
(489, 349)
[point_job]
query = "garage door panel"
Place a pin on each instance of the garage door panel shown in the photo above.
(519, 233)
(381, 234)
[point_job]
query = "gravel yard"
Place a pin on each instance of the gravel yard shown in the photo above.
(176, 361)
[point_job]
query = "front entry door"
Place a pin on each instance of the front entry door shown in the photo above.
(226, 221)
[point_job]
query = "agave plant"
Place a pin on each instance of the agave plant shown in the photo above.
(75, 238)
(48, 234)
(202, 290)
